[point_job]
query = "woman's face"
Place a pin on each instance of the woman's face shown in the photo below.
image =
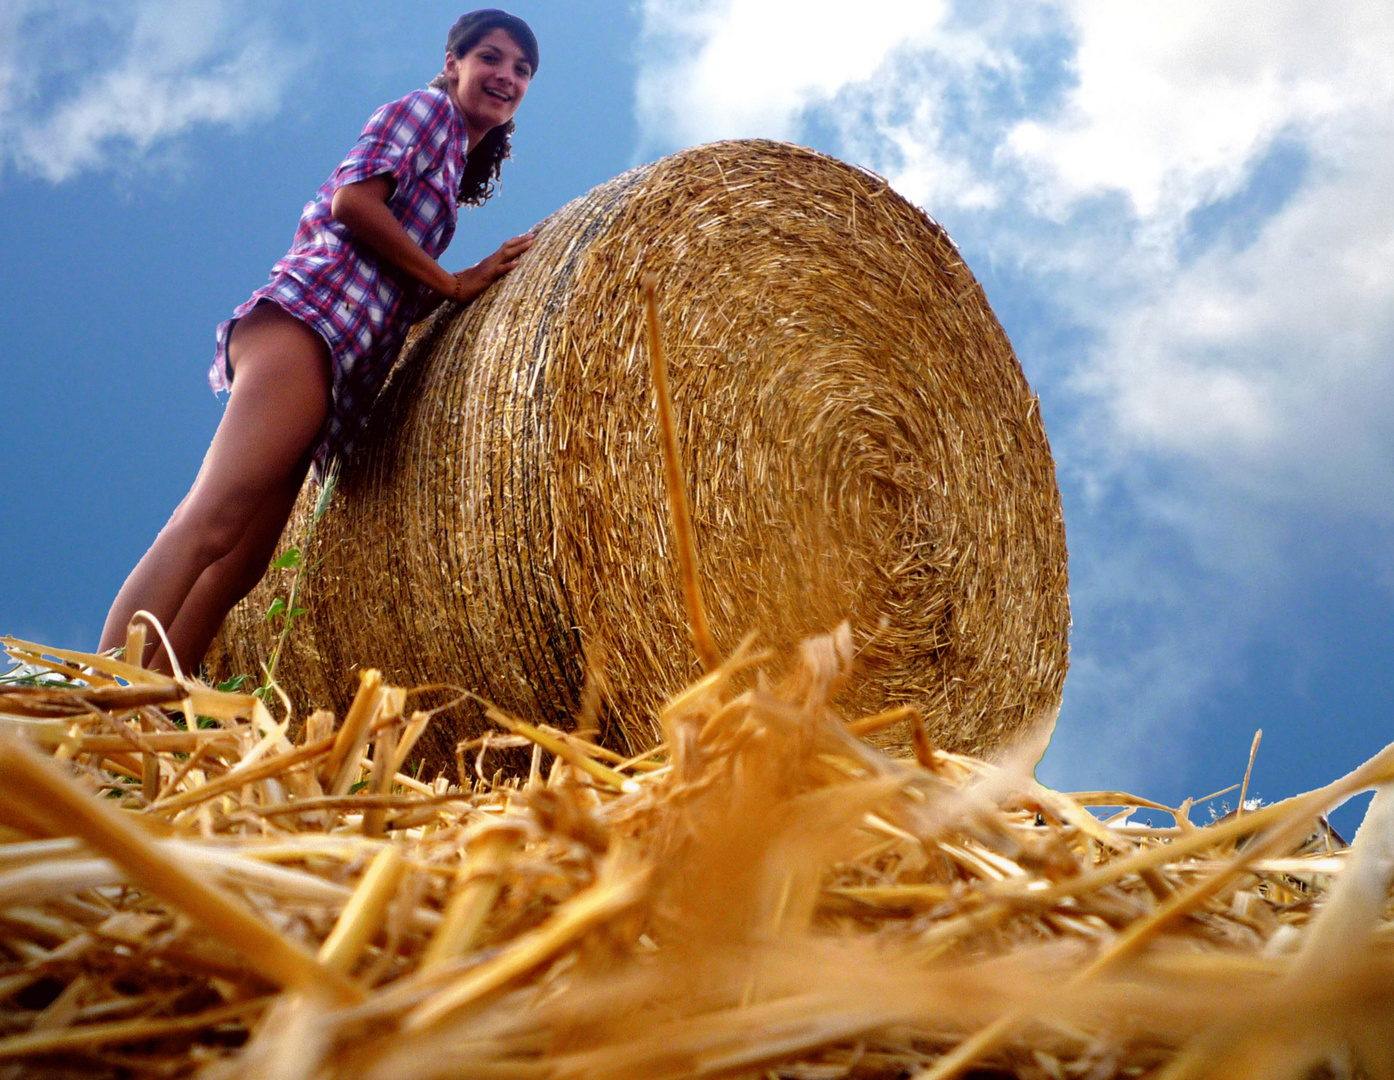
(488, 82)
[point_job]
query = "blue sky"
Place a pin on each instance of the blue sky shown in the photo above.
(1178, 210)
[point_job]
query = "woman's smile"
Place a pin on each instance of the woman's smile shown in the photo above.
(488, 82)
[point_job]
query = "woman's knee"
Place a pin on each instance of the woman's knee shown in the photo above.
(238, 573)
(212, 528)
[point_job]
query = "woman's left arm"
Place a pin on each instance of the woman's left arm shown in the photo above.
(362, 208)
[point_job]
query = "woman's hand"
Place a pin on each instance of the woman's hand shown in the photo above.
(470, 283)
(362, 206)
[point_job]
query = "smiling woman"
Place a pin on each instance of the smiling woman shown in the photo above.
(305, 356)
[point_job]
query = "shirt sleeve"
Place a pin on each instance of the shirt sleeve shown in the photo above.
(388, 142)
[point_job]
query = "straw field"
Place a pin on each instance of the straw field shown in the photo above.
(858, 442)
(186, 891)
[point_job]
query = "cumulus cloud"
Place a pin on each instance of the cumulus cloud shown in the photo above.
(1193, 198)
(747, 67)
(85, 87)
(1262, 354)
(1271, 365)
(1173, 103)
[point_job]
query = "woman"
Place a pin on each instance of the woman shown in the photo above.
(306, 355)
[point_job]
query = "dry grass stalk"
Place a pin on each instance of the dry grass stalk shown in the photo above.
(771, 896)
(362, 917)
(683, 538)
(480, 880)
(557, 743)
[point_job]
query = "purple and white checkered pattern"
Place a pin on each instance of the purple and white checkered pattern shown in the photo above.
(361, 307)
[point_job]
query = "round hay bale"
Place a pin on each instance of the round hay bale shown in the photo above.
(857, 436)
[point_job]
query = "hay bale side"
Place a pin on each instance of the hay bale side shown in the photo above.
(858, 438)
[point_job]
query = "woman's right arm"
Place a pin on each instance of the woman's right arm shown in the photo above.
(362, 208)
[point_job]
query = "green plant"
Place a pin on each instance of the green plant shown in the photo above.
(24, 675)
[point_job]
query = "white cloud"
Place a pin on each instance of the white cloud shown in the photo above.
(86, 87)
(1175, 100)
(1272, 366)
(748, 67)
(1195, 194)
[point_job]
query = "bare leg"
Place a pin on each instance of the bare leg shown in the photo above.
(232, 577)
(280, 398)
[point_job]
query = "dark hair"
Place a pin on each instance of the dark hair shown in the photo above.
(485, 161)
(469, 31)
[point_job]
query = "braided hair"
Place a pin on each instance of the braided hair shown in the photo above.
(483, 164)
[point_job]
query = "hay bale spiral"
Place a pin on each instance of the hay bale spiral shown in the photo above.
(858, 440)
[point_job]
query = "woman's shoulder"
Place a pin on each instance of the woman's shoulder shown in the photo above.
(422, 118)
(425, 106)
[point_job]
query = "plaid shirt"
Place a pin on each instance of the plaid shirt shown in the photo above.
(361, 307)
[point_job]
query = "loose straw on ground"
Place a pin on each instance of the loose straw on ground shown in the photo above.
(768, 893)
(66, 810)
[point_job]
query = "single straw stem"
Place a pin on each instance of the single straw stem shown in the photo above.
(135, 644)
(342, 764)
(568, 923)
(471, 904)
(1244, 788)
(362, 915)
(88, 1036)
(150, 769)
(384, 753)
(684, 538)
(868, 725)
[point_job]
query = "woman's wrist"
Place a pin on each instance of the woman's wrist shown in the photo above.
(451, 287)
(466, 288)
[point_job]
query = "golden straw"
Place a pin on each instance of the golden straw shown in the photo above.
(66, 809)
(684, 538)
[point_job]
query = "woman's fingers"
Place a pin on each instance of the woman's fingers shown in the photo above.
(501, 262)
(505, 260)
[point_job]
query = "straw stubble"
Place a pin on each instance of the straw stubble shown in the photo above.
(767, 895)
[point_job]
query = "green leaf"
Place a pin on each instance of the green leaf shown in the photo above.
(288, 561)
(19, 675)
(295, 613)
(233, 685)
(356, 788)
(278, 607)
(205, 722)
